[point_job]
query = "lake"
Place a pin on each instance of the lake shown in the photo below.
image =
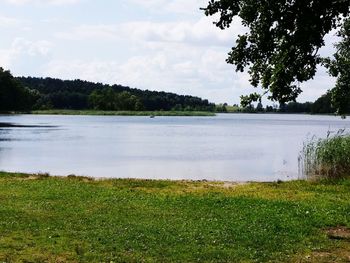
(228, 147)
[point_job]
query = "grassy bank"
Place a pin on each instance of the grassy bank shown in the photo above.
(124, 113)
(47, 219)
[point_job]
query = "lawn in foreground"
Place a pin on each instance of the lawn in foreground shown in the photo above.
(51, 219)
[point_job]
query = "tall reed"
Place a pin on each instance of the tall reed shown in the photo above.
(326, 158)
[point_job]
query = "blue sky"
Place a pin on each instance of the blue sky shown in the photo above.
(149, 44)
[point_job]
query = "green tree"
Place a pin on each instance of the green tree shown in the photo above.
(259, 107)
(96, 100)
(79, 94)
(13, 96)
(340, 67)
(323, 104)
(108, 99)
(280, 49)
(177, 107)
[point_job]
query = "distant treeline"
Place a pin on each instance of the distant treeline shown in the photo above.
(79, 95)
(322, 105)
(29, 93)
(13, 96)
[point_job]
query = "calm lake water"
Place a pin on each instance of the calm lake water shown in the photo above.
(237, 147)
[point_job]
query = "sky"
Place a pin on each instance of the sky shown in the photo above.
(164, 45)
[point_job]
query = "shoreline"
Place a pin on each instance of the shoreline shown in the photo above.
(39, 175)
(124, 113)
(136, 179)
(154, 113)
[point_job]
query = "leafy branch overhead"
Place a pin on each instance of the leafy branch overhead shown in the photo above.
(280, 50)
(340, 67)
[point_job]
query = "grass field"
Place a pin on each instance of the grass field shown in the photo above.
(124, 113)
(53, 219)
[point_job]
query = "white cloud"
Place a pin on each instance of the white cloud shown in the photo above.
(24, 56)
(159, 44)
(6, 21)
(183, 57)
(317, 86)
(201, 32)
(83, 32)
(185, 6)
(31, 48)
(171, 6)
(189, 70)
(96, 71)
(42, 2)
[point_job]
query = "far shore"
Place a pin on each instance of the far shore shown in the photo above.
(153, 113)
(122, 113)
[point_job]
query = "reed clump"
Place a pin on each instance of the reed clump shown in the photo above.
(327, 158)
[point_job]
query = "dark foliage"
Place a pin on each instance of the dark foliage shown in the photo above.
(13, 96)
(323, 105)
(281, 47)
(340, 67)
(296, 107)
(78, 94)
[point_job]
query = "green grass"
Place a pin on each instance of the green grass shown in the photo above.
(327, 158)
(124, 113)
(51, 219)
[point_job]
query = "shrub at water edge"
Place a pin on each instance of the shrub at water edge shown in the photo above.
(327, 158)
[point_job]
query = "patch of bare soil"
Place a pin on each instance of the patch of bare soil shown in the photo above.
(340, 253)
(225, 185)
(341, 233)
(28, 178)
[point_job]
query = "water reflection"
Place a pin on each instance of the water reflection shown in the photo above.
(14, 125)
(227, 147)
